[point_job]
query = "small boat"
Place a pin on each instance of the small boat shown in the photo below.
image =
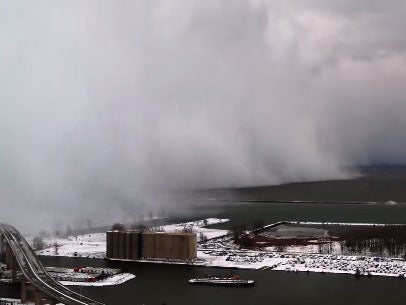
(233, 280)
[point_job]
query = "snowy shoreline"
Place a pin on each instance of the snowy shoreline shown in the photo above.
(19, 302)
(289, 262)
(113, 280)
(343, 223)
(294, 262)
(94, 245)
(218, 251)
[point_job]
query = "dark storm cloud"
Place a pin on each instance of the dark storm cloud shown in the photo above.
(109, 105)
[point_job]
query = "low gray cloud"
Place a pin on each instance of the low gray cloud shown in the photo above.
(109, 106)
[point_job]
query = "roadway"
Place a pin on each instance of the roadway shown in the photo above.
(35, 272)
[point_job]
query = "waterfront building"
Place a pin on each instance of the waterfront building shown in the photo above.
(134, 245)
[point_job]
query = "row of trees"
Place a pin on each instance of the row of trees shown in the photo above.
(377, 240)
(144, 228)
(137, 227)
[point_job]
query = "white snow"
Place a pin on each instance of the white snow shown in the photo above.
(302, 262)
(198, 227)
(218, 251)
(94, 245)
(18, 301)
(87, 245)
(116, 279)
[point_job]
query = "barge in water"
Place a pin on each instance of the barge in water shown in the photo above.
(233, 280)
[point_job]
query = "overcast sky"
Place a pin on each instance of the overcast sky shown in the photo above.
(108, 103)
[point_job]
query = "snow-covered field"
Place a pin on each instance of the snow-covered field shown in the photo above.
(88, 245)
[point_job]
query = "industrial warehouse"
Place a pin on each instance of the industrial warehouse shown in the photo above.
(134, 245)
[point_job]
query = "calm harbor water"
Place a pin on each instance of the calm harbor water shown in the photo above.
(159, 284)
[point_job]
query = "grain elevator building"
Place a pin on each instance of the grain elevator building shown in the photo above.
(133, 245)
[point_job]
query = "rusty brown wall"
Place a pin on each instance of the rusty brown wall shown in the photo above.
(150, 245)
(177, 246)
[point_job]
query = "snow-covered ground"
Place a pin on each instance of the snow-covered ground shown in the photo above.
(94, 245)
(219, 251)
(116, 279)
(222, 252)
(302, 262)
(198, 227)
(18, 301)
(334, 248)
(87, 245)
(291, 262)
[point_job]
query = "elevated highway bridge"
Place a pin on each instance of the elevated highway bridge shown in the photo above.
(35, 280)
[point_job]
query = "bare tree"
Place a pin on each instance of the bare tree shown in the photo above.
(38, 243)
(187, 229)
(56, 248)
(140, 227)
(88, 223)
(118, 227)
(68, 230)
(202, 237)
(237, 231)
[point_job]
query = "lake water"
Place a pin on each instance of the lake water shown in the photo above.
(254, 213)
